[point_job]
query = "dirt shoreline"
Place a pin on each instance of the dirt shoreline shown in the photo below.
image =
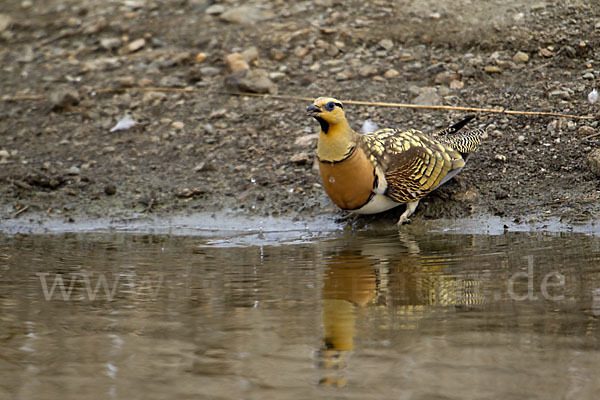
(202, 151)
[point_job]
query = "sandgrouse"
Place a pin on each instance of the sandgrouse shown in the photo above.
(374, 172)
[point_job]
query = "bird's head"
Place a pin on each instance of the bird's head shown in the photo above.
(328, 111)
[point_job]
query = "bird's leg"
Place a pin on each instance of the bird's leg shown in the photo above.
(347, 217)
(410, 209)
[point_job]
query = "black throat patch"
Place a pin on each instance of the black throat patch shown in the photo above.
(324, 124)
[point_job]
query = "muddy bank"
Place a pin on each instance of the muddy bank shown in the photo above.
(69, 69)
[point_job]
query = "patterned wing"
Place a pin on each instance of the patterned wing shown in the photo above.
(413, 163)
(464, 143)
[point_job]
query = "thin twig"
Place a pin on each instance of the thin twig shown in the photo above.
(20, 211)
(419, 106)
(591, 136)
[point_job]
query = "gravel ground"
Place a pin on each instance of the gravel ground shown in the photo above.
(72, 69)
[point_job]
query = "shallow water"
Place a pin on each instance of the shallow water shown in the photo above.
(361, 315)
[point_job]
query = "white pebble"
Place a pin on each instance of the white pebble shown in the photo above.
(368, 126)
(125, 123)
(593, 96)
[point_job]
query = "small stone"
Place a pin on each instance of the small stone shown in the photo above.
(428, 97)
(367, 70)
(246, 15)
(178, 125)
(446, 77)
(110, 43)
(593, 161)
(521, 57)
(74, 170)
(236, 63)
(200, 57)
(26, 4)
(277, 54)
(4, 154)
(134, 46)
(5, 22)
(386, 44)
(187, 193)
(561, 94)
(593, 96)
(250, 54)
(343, 76)
(300, 158)
(255, 81)
(300, 51)
(588, 76)
(492, 69)
(126, 81)
(467, 196)
(276, 76)
(215, 9)
(521, 138)
(501, 194)
(585, 130)
(500, 157)
(391, 73)
(110, 189)
(306, 140)
(63, 97)
(209, 71)
(546, 53)
(456, 84)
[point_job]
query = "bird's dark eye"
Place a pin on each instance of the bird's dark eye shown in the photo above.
(330, 106)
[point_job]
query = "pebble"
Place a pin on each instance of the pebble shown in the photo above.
(209, 71)
(74, 170)
(5, 22)
(585, 130)
(250, 54)
(387, 44)
(110, 189)
(521, 57)
(593, 161)
(588, 76)
(343, 76)
(63, 97)
(215, 9)
(446, 77)
(255, 81)
(391, 73)
(134, 46)
(428, 97)
(246, 15)
(561, 94)
(300, 51)
(593, 96)
(301, 158)
(178, 125)
(4, 154)
(306, 140)
(456, 84)
(492, 69)
(367, 70)
(110, 43)
(236, 63)
(200, 57)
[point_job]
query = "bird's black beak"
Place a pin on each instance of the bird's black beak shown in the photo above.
(313, 110)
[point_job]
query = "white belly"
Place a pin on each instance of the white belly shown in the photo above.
(377, 204)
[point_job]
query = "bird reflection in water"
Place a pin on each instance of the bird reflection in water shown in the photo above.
(382, 276)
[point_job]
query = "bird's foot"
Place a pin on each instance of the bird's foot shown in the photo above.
(410, 209)
(349, 216)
